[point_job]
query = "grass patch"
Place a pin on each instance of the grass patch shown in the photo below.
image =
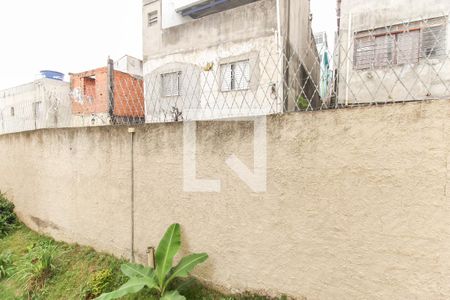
(76, 272)
(72, 266)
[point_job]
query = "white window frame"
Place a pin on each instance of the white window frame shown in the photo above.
(235, 76)
(174, 80)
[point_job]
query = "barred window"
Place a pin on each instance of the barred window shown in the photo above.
(434, 40)
(407, 50)
(364, 52)
(384, 50)
(401, 44)
(235, 76)
(170, 83)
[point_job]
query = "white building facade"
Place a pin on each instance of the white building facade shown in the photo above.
(43, 103)
(206, 61)
(129, 64)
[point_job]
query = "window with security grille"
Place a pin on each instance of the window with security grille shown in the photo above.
(433, 41)
(152, 18)
(170, 83)
(401, 44)
(384, 50)
(235, 76)
(364, 52)
(407, 47)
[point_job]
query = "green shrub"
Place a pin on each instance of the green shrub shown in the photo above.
(5, 264)
(98, 283)
(8, 219)
(302, 103)
(36, 266)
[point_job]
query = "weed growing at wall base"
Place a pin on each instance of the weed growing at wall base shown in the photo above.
(33, 266)
(98, 283)
(74, 269)
(36, 267)
(159, 279)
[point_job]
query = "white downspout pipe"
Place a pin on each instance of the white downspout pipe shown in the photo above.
(280, 58)
(349, 45)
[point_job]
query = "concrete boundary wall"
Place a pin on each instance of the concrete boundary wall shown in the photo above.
(357, 203)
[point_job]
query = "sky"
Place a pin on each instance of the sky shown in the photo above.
(75, 36)
(65, 35)
(324, 19)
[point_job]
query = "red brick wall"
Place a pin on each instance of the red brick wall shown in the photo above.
(128, 95)
(90, 95)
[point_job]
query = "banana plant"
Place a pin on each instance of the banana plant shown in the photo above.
(158, 279)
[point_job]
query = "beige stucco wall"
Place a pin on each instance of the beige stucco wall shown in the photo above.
(357, 202)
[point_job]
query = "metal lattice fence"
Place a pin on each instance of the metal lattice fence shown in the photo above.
(397, 62)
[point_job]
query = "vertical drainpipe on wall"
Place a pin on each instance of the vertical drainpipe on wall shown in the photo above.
(337, 56)
(280, 59)
(132, 131)
(349, 45)
(110, 89)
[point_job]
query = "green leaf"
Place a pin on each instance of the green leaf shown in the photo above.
(173, 295)
(168, 247)
(135, 270)
(133, 286)
(185, 285)
(186, 265)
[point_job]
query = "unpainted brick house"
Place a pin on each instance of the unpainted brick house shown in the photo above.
(106, 96)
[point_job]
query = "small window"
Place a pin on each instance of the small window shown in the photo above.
(170, 83)
(89, 87)
(319, 39)
(235, 76)
(152, 18)
(12, 112)
(434, 39)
